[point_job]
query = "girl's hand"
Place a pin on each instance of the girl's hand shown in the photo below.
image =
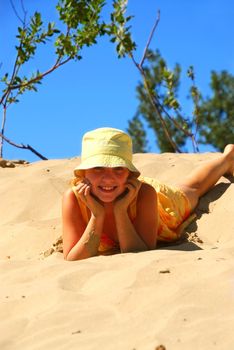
(133, 186)
(83, 189)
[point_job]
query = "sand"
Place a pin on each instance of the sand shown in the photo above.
(179, 296)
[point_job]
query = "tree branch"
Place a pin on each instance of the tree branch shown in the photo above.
(150, 38)
(41, 76)
(155, 106)
(16, 12)
(28, 147)
(14, 87)
(158, 106)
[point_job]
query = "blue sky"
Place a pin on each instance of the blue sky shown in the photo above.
(100, 90)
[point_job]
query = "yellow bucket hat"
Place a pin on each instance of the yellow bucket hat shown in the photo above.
(106, 147)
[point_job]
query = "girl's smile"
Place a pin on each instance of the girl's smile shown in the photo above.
(107, 183)
(107, 189)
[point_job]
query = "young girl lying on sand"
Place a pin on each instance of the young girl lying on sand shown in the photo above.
(112, 208)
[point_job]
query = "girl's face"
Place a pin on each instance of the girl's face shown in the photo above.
(107, 183)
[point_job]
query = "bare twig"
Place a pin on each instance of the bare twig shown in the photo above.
(155, 106)
(158, 106)
(174, 121)
(196, 116)
(2, 129)
(28, 147)
(16, 12)
(24, 11)
(194, 143)
(150, 38)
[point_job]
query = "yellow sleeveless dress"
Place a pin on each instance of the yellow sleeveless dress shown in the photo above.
(173, 214)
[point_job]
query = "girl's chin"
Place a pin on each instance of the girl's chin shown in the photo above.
(107, 198)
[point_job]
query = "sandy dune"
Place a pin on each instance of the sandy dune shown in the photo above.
(180, 296)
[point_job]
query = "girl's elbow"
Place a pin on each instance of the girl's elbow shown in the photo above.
(152, 245)
(69, 257)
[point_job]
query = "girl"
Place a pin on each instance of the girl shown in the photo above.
(112, 208)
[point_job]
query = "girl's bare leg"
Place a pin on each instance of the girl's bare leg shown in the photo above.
(204, 177)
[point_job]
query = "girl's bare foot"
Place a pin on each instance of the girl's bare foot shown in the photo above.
(229, 152)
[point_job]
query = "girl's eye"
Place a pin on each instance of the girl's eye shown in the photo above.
(119, 169)
(98, 169)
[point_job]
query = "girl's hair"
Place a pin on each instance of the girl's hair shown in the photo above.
(75, 180)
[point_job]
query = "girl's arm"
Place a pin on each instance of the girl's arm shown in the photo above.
(142, 233)
(80, 241)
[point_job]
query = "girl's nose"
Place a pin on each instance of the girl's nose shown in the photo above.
(108, 173)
